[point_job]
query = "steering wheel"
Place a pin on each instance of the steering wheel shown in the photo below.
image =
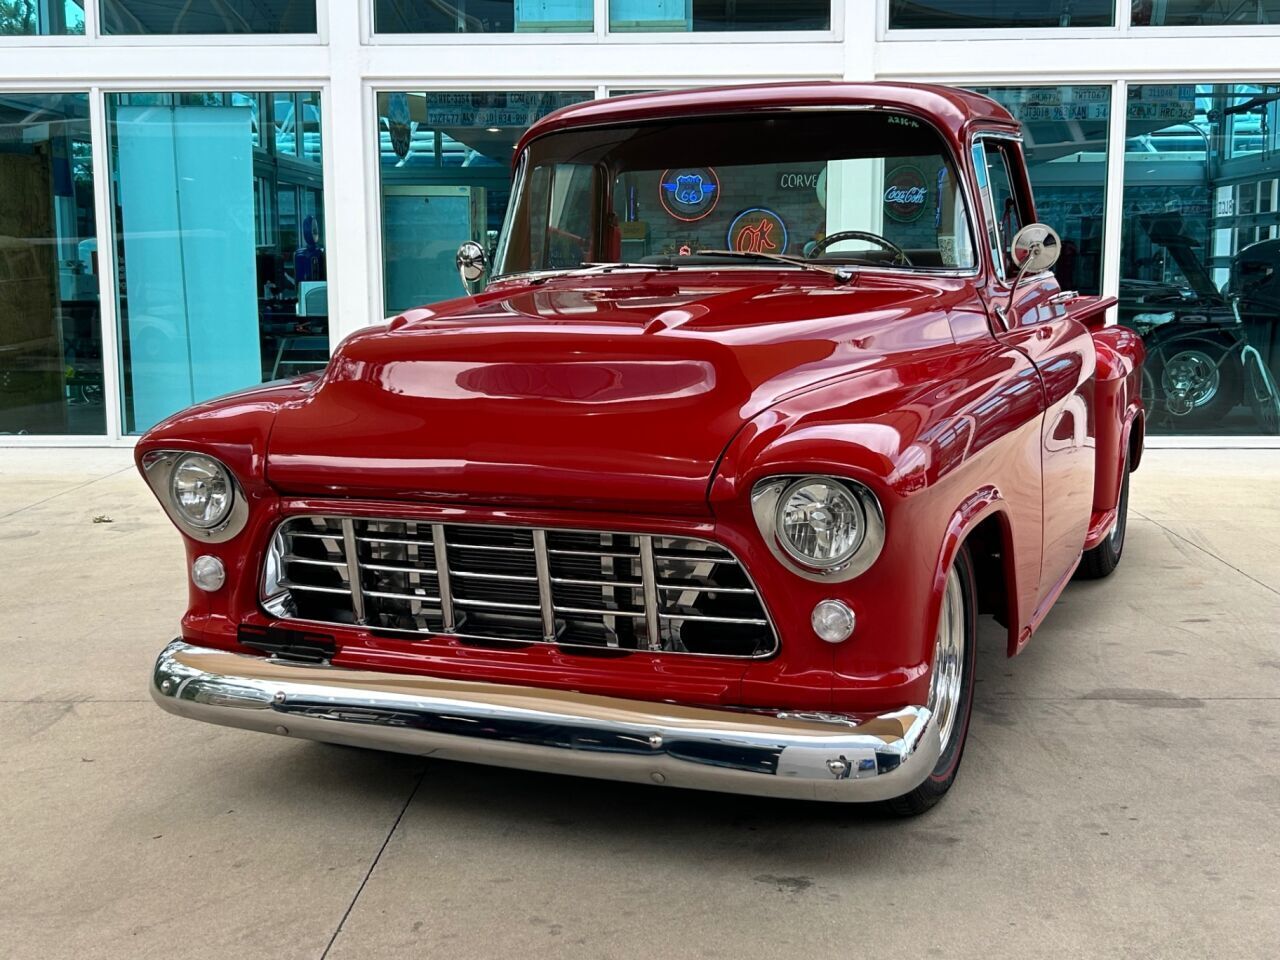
(899, 255)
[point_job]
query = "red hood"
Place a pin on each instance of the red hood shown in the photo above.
(610, 392)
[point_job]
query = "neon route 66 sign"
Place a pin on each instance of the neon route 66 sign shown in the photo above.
(689, 193)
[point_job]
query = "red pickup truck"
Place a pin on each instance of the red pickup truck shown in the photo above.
(769, 392)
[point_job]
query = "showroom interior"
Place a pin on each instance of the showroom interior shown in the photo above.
(196, 197)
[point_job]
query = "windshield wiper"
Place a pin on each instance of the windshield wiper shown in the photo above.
(840, 273)
(590, 269)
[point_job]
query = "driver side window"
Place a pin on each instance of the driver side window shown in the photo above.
(999, 200)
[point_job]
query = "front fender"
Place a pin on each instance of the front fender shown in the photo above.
(941, 456)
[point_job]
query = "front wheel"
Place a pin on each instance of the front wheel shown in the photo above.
(951, 686)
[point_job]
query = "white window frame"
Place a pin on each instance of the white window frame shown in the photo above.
(350, 65)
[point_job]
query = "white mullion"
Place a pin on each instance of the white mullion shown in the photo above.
(108, 284)
(1113, 208)
(92, 22)
(375, 264)
(836, 24)
(346, 174)
(600, 19)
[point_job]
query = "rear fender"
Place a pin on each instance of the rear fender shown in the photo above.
(1117, 412)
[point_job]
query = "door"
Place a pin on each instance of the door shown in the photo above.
(1063, 353)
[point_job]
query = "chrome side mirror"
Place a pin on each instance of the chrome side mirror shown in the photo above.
(1035, 249)
(472, 263)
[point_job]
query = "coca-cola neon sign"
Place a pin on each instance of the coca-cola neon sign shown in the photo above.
(905, 193)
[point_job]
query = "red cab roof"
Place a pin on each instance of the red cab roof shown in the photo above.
(951, 109)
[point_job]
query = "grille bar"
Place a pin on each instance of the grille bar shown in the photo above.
(353, 577)
(442, 577)
(546, 600)
(573, 588)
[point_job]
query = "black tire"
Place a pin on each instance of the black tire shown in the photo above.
(944, 772)
(1105, 557)
(1230, 389)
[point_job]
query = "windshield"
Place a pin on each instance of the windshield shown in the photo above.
(681, 192)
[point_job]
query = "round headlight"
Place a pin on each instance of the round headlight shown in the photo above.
(201, 490)
(819, 522)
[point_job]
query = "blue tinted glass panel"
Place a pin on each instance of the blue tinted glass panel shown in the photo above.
(222, 277)
(34, 18)
(445, 172)
(484, 16)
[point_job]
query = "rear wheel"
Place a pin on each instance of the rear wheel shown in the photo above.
(1195, 379)
(1105, 557)
(951, 686)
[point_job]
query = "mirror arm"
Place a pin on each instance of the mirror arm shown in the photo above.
(1007, 310)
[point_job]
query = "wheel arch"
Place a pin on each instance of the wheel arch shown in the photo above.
(1136, 438)
(983, 524)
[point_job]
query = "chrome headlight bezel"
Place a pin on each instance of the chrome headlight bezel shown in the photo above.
(769, 495)
(158, 467)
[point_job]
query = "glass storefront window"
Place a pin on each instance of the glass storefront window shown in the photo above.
(1204, 13)
(718, 15)
(1065, 144)
(995, 14)
(1200, 254)
(445, 177)
(132, 17)
(50, 327)
(222, 275)
(484, 16)
(36, 18)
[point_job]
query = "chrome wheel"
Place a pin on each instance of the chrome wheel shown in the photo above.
(948, 660)
(1191, 380)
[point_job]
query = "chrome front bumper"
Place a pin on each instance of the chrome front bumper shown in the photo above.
(778, 754)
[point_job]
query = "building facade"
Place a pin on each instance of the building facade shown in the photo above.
(200, 195)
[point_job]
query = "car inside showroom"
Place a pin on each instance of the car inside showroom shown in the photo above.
(572, 455)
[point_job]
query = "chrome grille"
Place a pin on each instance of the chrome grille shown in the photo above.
(607, 590)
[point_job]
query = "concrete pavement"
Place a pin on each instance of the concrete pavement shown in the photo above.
(1120, 795)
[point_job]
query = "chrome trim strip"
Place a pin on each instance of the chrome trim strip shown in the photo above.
(390, 595)
(336, 564)
(290, 585)
(442, 577)
(545, 600)
(829, 757)
(703, 618)
(588, 611)
(353, 568)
